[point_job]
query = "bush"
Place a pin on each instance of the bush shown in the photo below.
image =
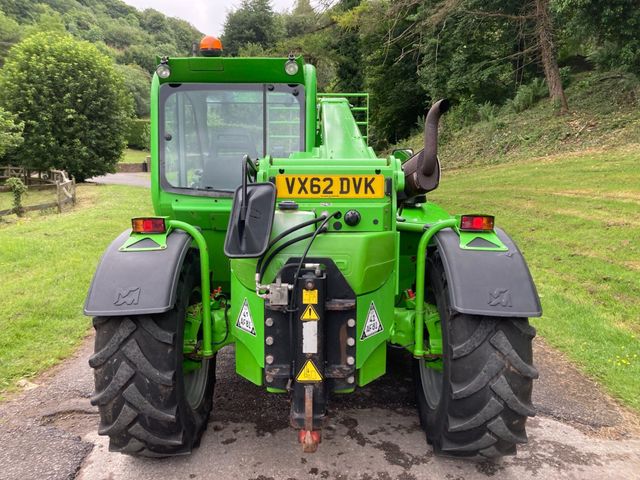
(528, 95)
(463, 113)
(18, 188)
(72, 101)
(487, 112)
(138, 136)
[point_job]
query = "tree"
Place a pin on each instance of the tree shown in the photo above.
(606, 30)
(544, 32)
(254, 22)
(138, 83)
(142, 55)
(72, 101)
(388, 74)
(476, 47)
(345, 44)
(9, 34)
(10, 132)
(302, 19)
(83, 24)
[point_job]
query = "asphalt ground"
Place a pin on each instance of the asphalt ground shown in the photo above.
(131, 179)
(48, 431)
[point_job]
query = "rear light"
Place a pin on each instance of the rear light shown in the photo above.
(476, 223)
(148, 225)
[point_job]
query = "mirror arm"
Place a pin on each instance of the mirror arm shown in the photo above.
(246, 165)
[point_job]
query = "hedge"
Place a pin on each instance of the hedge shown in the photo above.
(138, 135)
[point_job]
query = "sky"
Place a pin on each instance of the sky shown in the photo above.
(206, 15)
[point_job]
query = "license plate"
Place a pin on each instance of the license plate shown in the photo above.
(330, 186)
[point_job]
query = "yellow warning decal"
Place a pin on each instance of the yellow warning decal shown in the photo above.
(309, 314)
(310, 296)
(309, 373)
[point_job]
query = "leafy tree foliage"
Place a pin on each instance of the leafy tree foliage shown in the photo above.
(397, 99)
(302, 19)
(129, 35)
(345, 45)
(73, 104)
(254, 22)
(138, 82)
(9, 34)
(607, 31)
(10, 132)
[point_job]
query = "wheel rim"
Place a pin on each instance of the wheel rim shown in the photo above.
(431, 381)
(195, 384)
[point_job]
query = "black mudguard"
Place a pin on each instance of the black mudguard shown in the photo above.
(489, 283)
(137, 283)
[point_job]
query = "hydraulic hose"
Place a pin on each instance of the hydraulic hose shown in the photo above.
(288, 231)
(263, 268)
(319, 230)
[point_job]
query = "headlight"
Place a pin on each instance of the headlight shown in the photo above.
(291, 67)
(163, 70)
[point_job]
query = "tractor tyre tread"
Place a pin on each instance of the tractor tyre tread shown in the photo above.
(487, 384)
(139, 384)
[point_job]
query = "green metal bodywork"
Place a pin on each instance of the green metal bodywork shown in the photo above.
(382, 258)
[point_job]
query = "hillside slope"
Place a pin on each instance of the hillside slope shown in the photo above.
(604, 112)
(129, 35)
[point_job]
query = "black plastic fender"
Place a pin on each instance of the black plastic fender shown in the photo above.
(139, 282)
(490, 283)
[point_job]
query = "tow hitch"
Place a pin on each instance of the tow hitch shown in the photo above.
(309, 401)
(308, 437)
(310, 345)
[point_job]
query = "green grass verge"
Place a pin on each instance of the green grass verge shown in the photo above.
(575, 217)
(46, 265)
(134, 156)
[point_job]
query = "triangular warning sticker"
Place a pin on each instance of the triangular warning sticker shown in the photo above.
(245, 321)
(373, 325)
(309, 314)
(309, 373)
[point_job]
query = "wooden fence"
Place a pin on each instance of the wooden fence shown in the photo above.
(51, 180)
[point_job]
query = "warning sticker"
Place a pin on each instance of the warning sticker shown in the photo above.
(310, 296)
(309, 373)
(245, 322)
(373, 325)
(309, 314)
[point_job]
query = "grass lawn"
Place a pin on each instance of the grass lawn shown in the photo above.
(134, 156)
(46, 265)
(576, 219)
(32, 197)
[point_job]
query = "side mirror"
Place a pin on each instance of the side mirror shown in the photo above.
(250, 221)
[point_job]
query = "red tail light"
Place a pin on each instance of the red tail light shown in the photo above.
(476, 223)
(148, 225)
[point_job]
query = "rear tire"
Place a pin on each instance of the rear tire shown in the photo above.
(148, 406)
(479, 403)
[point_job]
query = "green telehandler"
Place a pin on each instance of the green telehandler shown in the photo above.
(279, 231)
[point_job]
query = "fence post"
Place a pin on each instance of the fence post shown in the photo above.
(58, 200)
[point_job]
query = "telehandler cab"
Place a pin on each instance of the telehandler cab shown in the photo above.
(320, 254)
